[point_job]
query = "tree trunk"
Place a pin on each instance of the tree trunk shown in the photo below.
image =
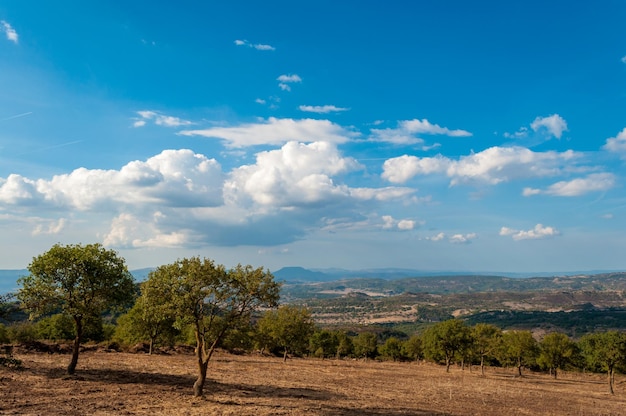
(285, 355)
(519, 367)
(482, 365)
(447, 365)
(611, 380)
(554, 374)
(151, 345)
(203, 364)
(78, 321)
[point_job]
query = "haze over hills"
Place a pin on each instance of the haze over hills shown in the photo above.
(296, 275)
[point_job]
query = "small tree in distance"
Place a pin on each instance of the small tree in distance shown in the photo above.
(288, 327)
(555, 351)
(79, 281)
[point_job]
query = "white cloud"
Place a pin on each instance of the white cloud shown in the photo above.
(321, 109)
(403, 225)
(462, 238)
(257, 46)
(276, 131)
(539, 232)
(159, 119)
(289, 78)
(407, 130)
(492, 166)
(623, 59)
(172, 178)
(437, 237)
(9, 31)
(617, 144)
(284, 87)
(607, 216)
(50, 227)
(595, 182)
(554, 124)
(131, 232)
(260, 101)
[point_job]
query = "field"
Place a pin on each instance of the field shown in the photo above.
(115, 383)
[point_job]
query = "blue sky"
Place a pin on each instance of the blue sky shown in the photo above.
(437, 135)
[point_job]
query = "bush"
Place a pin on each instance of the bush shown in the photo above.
(4, 334)
(22, 332)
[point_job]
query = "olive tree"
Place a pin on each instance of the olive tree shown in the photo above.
(518, 348)
(365, 345)
(211, 299)
(288, 328)
(486, 341)
(605, 351)
(555, 351)
(80, 281)
(446, 339)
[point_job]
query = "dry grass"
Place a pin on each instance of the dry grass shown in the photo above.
(136, 384)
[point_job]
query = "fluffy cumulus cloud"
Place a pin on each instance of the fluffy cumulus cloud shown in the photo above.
(172, 178)
(158, 119)
(462, 238)
(539, 232)
(617, 144)
(595, 182)
(276, 131)
(8, 30)
(407, 131)
(182, 199)
(257, 46)
(491, 166)
(322, 109)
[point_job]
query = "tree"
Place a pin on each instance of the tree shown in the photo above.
(392, 348)
(289, 328)
(518, 348)
(486, 340)
(211, 299)
(148, 319)
(323, 343)
(344, 344)
(365, 345)
(5, 305)
(445, 339)
(555, 351)
(413, 348)
(79, 281)
(605, 351)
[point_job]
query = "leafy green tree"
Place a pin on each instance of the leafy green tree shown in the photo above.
(555, 351)
(365, 345)
(211, 299)
(289, 328)
(79, 281)
(413, 348)
(518, 348)
(444, 340)
(4, 334)
(486, 340)
(56, 327)
(392, 348)
(6, 305)
(323, 343)
(605, 351)
(344, 344)
(149, 320)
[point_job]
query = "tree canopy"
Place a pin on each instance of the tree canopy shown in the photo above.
(211, 299)
(79, 281)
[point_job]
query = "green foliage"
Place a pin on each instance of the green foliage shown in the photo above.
(365, 345)
(413, 349)
(518, 348)
(211, 299)
(345, 346)
(605, 351)
(323, 343)
(555, 351)
(58, 327)
(445, 339)
(392, 349)
(148, 320)
(21, 332)
(79, 281)
(487, 339)
(288, 328)
(4, 334)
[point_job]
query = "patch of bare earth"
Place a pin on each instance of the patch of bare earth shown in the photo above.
(139, 384)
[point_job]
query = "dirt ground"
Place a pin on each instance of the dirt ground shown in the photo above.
(114, 383)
